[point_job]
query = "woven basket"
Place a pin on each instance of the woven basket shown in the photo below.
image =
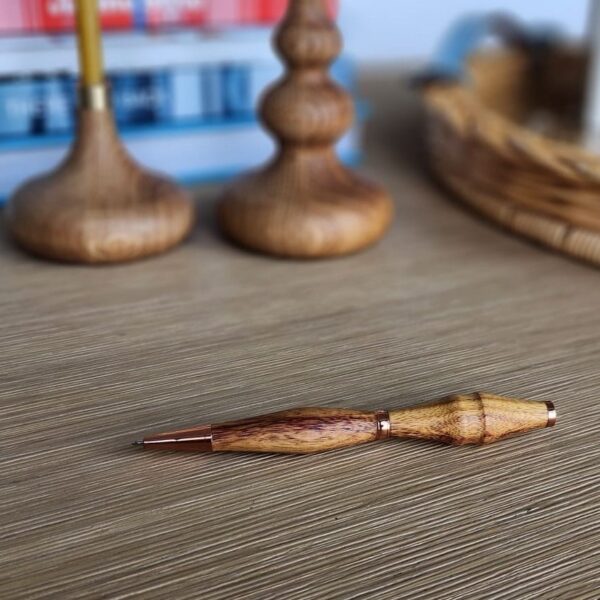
(541, 187)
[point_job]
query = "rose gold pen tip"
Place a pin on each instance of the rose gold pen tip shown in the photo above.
(138, 443)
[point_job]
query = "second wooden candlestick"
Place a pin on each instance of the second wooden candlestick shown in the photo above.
(305, 204)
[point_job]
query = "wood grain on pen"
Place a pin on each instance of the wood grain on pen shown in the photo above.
(470, 419)
(298, 431)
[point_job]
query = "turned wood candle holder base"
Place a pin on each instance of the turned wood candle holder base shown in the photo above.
(305, 204)
(99, 206)
(305, 207)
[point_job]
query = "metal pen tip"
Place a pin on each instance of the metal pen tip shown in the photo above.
(138, 443)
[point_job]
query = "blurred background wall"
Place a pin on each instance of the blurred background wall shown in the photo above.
(186, 75)
(384, 31)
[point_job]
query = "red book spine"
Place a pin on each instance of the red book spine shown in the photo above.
(59, 15)
(251, 12)
(223, 13)
(271, 11)
(14, 17)
(176, 12)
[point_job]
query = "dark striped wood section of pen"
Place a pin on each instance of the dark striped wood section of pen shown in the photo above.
(298, 431)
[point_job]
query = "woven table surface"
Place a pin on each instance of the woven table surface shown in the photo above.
(94, 357)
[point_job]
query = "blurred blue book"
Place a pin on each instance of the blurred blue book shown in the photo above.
(191, 155)
(40, 105)
(195, 121)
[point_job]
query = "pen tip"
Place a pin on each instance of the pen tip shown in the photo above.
(138, 443)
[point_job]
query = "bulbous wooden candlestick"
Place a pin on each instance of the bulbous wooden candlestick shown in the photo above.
(99, 206)
(304, 203)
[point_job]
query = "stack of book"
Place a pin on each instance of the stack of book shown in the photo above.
(45, 16)
(184, 97)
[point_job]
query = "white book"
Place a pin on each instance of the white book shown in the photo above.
(137, 50)
(186, 94)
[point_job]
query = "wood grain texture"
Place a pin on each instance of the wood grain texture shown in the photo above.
(461, 419)
(297, 431)
(478, 418)
(305, 203)
(99, 206)
(91, 358)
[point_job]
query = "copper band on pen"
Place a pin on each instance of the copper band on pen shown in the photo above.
(384, 426)
(552, 414)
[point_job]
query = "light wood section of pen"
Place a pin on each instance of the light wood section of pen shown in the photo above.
(299, 431)
(89, 42)
(478, 418)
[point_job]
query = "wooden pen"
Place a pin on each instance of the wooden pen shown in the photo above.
(478, 418)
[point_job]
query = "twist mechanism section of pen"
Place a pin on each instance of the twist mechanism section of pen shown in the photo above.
(478, 418)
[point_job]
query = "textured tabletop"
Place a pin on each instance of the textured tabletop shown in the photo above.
(92, 357)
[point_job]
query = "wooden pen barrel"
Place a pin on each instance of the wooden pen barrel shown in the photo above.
(298, 431)
(468, 419)
(477, 418)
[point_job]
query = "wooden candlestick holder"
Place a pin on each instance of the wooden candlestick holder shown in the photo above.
(304, 203)
(99, 206)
